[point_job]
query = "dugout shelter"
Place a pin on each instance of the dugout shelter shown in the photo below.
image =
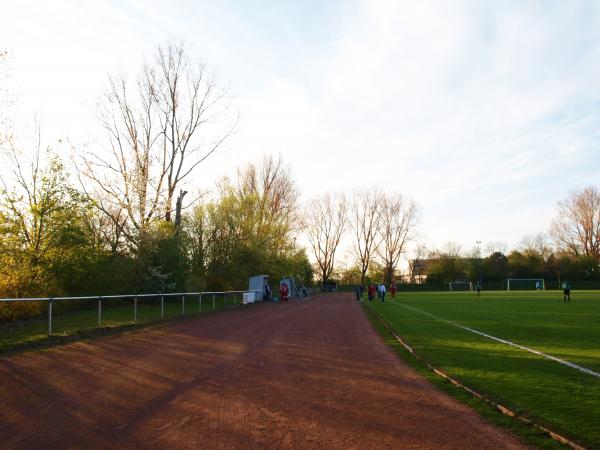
(258, 284)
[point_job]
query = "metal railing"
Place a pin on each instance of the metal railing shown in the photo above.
(235, 297)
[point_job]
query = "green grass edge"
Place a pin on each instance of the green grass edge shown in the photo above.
(528, 434)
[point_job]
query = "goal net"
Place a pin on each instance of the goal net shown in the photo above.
(525, 284)
(461, 286)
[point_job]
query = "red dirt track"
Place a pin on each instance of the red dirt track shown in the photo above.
(301, 375)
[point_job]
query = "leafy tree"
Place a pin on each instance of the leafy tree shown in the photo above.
(447, 265)
(248, 229)
(45, 243)
(495, 267)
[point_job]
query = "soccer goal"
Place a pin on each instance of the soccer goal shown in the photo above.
(525, 284)
(461, 286)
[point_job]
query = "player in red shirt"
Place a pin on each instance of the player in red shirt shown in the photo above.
(283, 290)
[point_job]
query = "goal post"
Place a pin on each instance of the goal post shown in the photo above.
(525, 284)
(460, 286)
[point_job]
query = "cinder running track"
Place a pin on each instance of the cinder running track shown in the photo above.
(303, 375)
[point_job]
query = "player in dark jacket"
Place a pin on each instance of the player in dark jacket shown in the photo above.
(566, 291)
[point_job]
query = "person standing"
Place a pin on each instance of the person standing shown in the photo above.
(537, 286)
(357, 290)
(382, 290)
(283, 290)
(371, 291)
(478, 288)
(393, 288)
(566, 291)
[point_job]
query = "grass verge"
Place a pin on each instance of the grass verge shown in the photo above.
(527, 433)
(116, 318)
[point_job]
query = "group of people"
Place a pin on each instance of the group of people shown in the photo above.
(284, 292)
(378, 289)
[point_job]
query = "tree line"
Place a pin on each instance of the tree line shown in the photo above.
(115, 217)
(569, 250)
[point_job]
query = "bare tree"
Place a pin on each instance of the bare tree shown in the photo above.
(451, 250)
(536, 245)
(128, 178)
(365, 222)
(577, 227)
(160, 127)
(496, 247)
(417, 265)
(324, 225)
(399, 219)
(271, 181)
(188, 100)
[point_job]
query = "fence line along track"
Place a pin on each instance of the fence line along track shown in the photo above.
(101, 298)
(503, 409)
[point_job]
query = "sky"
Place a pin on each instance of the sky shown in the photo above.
(486, 114)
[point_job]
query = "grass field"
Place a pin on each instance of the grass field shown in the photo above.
(554, 395)
(71, 318)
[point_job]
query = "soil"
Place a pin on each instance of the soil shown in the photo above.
(298, 375)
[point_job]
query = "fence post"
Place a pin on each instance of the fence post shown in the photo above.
(162, 306)
(213, 301)
(50, 317)
(183, 305)
(200, 303)
(100, 311)
(135, 308)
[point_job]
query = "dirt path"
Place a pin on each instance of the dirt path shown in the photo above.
(299, 375)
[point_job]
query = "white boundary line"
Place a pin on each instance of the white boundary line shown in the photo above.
(503, 409)
(504, 341)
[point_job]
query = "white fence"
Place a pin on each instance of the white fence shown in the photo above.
(230, 298)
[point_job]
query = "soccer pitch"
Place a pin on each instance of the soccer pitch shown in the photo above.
(446, 329)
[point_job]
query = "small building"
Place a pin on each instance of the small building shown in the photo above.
(259, 284)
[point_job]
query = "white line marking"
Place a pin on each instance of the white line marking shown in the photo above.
(504, 341)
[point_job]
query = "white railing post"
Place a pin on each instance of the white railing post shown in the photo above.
(162, 306)
(183, 305)
(135, 308)
(200, 303)
(50, 317)
(100, 311)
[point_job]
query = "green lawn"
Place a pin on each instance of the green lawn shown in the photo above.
(72, 317)
(559, 397)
